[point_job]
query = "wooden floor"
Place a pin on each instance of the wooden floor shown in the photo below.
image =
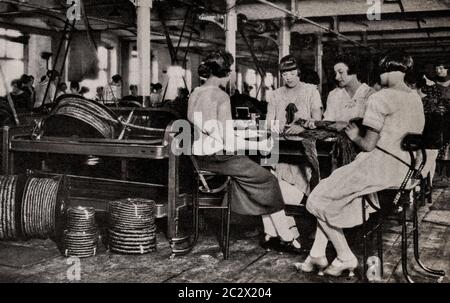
(40, 261)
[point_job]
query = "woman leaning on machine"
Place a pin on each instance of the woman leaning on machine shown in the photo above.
(255, 191)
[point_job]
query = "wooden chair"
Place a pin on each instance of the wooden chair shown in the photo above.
(204, 197)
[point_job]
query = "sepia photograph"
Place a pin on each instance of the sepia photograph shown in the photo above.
(225, 149)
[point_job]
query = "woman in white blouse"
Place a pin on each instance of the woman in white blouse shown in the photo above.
(336, 202)
(349, 99)
(255, 191)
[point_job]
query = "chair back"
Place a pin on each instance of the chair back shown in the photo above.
(414, 144)
(203, 175)
(199, 173)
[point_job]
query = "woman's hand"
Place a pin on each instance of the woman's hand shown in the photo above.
(352, 131)
(339, 125)
(275, 127)
(310, 124)
(293, 129)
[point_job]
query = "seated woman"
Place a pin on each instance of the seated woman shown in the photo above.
(255, 191)
(391, 113)
(349, 100)
(292, 101)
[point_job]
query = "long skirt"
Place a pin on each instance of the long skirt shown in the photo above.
(255, 191)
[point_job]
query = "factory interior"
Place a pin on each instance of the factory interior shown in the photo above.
(97, 188)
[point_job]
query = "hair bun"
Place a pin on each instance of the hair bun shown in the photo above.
(217, 63)
(203, 70)
(396, 61)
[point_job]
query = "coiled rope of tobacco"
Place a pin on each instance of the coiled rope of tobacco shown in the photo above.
(8, 188)
(38, 213)
(88, 112)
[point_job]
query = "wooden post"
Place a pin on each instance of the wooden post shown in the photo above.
(5, 151)
(230, 38)
(143, 8)
(319, 57)
(336, 29)
(155, 66)
(230, 30)
(284, 38)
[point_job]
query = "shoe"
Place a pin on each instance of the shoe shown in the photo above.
(338, 267)
(312, 263)
(270, 243)
(291, 248)
(275, 244)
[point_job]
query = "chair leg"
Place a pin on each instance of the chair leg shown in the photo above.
(195, 203)
(429, 189)
(365, 267)
(405, 246)
(380, 243)
(227, 224)
(222, 230)
(416, 245)
(423, 191)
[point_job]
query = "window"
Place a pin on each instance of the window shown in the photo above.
(11, 57)
(134, 68)
(239, 82)
(250, 80)
(133, 71)
(269, 80)
(107, 65)
(176, 78)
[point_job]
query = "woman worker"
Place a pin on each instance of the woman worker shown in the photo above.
(349, 99)
(391, 113)
(255, 191)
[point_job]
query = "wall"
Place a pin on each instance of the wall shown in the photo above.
(112, 41)
(37, 66)
(113, 46)
(160, 56)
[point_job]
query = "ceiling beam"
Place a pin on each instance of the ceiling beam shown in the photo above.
(369, 26)
(26, 28)
(397, 36)
(324, 8)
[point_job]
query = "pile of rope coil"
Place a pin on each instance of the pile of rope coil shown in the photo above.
(39, 206)
(83, 114)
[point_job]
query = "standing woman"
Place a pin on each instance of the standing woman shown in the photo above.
(255, 191)
(391, 113)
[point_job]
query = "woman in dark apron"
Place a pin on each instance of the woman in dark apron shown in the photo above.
(255, 191)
